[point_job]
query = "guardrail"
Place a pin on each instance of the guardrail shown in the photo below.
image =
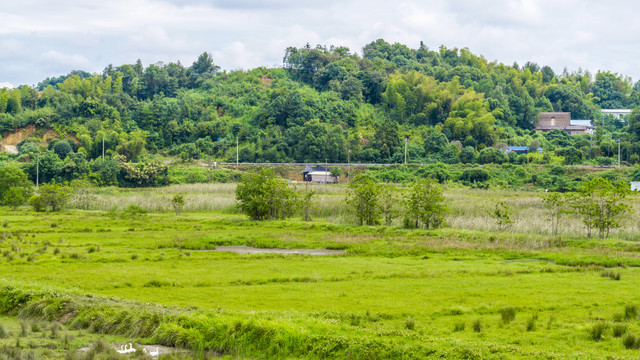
(303, 164)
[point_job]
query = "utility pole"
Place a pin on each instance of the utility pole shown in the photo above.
(349, 166)
(103, 147)
(406, 141)
(618, 152)
(591, 149)
(237, 157)
(326, 173)
(37, 168)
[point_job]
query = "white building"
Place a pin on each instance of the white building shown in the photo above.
(322, 177)
(586, 123)
(618, 113)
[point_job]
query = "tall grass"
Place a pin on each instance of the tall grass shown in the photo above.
(198, 197)
(469, 208)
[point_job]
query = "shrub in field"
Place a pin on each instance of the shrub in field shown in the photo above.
(4, 333)
(630, 341)
(410, 323)
(459, 326)
(14, 197)
(502, 214)
(177, 203)
(51, 196)
(438, 171)
(474, 177)
(508, 314)
(611, 275)
(24, 328)
(597, 330)
(477, 325)
(619, 330)
(531, 323)
(363, 198)
(631, 311)
(265, 196)
(134, 212)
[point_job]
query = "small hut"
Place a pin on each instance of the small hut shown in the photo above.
(319, 174)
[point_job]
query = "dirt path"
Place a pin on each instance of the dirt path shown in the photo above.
(253, 250)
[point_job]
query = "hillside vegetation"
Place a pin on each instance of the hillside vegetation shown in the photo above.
(324, 104)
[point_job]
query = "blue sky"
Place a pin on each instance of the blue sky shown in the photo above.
(40, 39)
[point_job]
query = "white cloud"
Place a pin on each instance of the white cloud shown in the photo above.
(236, 53)
(41, 38)
(6, 85)
(54, 59)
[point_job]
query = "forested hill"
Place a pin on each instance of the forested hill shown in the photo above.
(324, 102)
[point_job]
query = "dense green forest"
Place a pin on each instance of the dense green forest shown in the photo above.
(324, 104)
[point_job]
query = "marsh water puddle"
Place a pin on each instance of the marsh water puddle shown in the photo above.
(254, 250)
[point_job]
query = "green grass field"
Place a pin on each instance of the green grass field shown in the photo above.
(464, 291)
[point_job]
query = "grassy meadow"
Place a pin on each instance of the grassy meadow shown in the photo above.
(466, 291)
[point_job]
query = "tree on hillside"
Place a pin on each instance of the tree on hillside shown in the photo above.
(203, 68)
(265, 196)
(491, 155)
(62, 148)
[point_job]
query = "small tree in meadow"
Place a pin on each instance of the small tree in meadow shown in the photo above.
(502, 214)
(177, 203)
(14, 197)
(14, 180)
(426, 204)
(307, 199)
(363, 196)
(82, 194)
(53, 196)
(602, 205)
(556, 205)
(389, 203)
(134, 212)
